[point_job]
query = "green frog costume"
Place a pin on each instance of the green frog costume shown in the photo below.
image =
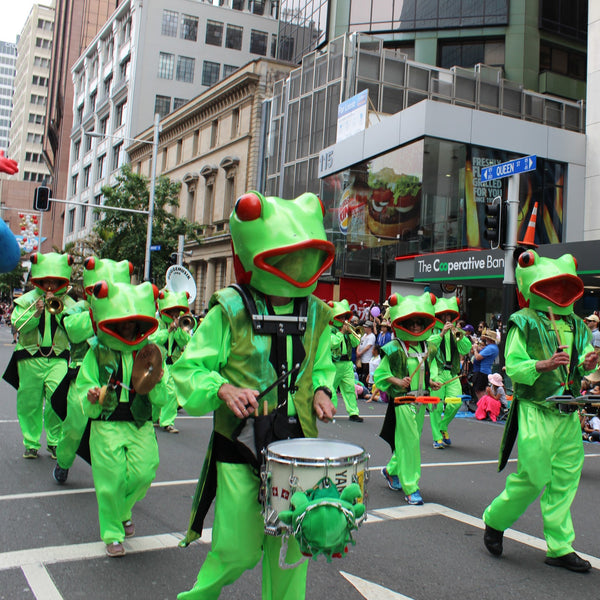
(123, 446)
(41, 355)
(445, 370)
(549, 441)
(173, 340)
(341, 352)
(280, 249)
(408, 354)
(78, 325)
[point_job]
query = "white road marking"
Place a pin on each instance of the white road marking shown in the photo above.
(372, 591)
(40, 582)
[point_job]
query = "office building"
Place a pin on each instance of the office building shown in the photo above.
(8, 64)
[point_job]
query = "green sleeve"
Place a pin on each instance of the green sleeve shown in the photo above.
(87, 379)
(336, 340)
(323, 369)
(520, 367)
(197, 372)
(78, 325)
(464, 345)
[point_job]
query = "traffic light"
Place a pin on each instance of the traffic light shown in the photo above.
(41, 198)
(495, 222)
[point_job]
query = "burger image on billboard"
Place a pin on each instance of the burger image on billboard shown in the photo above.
(395, 203)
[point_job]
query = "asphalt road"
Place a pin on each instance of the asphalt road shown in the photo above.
(51, 548)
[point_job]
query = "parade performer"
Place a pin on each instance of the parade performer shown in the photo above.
(255, 333)
(41, 355)
(445, 378)
(545, 356)
(123, 447)
(343, 339)
(65, 400)
(413, 319)
(10, 253)
(173, 336)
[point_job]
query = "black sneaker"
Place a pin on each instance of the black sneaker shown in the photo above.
(52, 451)
(30, 453)
(492, 538)
(356, 418)
(60, 475)
(570, 561)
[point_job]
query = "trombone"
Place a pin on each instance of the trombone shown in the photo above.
(53, 304)
(353, 330)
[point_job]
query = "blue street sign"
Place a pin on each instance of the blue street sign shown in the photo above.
(155, 248)
(512, 167)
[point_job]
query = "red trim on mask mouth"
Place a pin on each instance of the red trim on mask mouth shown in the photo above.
(58, 289)
(562, 290)
(343, 317)
(105, 326)
(323, 245)
(397, 323)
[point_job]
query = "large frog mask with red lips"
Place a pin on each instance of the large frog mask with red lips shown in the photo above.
(114, 305)
(168, 301)
(105, 269)
(406, 308)
(279, 246)
(340, 312)
(548, 282)
(446, 305)
(51, 265)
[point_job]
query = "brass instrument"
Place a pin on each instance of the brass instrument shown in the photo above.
(353, 331)
(457, 332)
(187, 323)
(53, 304)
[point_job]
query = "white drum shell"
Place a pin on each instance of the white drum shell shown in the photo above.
(299, 464)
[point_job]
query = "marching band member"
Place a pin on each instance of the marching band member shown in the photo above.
(404, 367)
(543, 363)
(78, 325)
(173, 337)
(123, 447)
(343, 339)
(254, 334)
(41, 355)
(445, 382)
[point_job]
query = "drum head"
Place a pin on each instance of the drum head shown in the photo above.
(314, 449)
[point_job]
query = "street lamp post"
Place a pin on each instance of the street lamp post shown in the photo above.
(150, 211)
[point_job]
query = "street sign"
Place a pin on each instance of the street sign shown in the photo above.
(512, 167)
(155, 248)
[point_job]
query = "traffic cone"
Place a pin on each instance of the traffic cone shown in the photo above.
(529, 238)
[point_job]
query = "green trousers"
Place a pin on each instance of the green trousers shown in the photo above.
(406, 459)
(441, 415)
(73, 428)
(124, 463)
(166, 414)
(549, 463)
(38, 378)
(239, 542)
(344, 379)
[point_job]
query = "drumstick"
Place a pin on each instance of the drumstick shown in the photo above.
(449, 381)
(418, 367)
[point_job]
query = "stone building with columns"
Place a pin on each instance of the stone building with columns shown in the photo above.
(212, 146)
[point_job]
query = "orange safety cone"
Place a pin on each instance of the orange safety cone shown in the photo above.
(529, 238)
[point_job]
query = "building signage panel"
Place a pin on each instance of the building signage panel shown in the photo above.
(460, 266)
(352, 115)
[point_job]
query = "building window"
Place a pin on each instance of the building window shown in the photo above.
(82, 216)
(210, 73)
(87, 144)
(235, 122)
(185, 69)
(257, 6)
(107, 86)
(228, 70)
(562, 60)
(100, 167)
(71, 220)
(233, 38)
(76, 149)
(214, 131)
(166, 63)
(86, 177)
(97, 202)
(463, 53)
(189, 27)
(169, 23)
(237, 4)
(74, 184)
(178, 102)
(92, 106)
(120, 113)
(116, 156)
(103, 124)
(258, 42)
(162, 105)
(214, 33)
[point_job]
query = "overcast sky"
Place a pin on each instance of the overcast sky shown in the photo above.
(13, 14)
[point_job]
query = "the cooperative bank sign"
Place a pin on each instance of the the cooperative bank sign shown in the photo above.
(460, 266)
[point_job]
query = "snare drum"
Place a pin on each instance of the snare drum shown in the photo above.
(299, 465)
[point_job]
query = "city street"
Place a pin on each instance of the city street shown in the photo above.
(51, 548)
